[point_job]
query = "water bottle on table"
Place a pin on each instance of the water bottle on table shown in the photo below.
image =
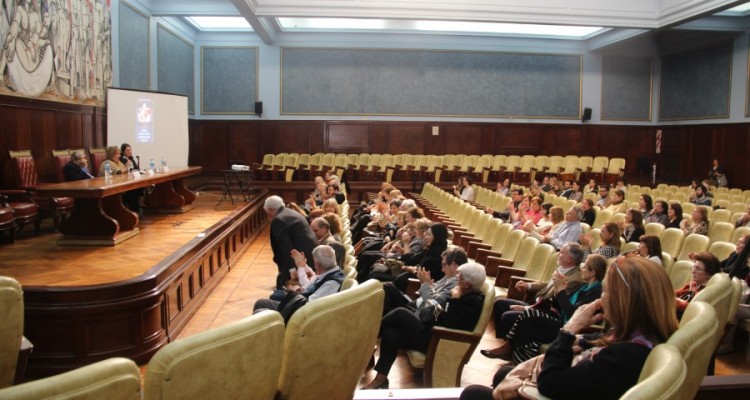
(107, 171)
(152, 165)
(164, 167)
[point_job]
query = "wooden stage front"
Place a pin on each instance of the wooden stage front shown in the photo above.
(85, 304)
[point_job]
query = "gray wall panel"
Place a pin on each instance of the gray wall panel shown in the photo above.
(134, 49)
(229, 80)
(175, 66)
(696, 84)
(421, 82)
(626, 88)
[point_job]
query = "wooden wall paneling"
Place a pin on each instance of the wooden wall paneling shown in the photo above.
(243, 142)
(730, 146)
(214, 146)
(95, 135)
(488, 140)
(434, 144)
(463, 139)
(570, 139)
(406, 139)
(346, 138)
(518, 139)
(378, 139)
(299, 138)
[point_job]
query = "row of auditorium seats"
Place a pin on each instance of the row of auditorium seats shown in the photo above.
(496, 245)
(524, 257)
(257, 357)
(437, 168)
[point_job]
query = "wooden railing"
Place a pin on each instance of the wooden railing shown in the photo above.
(75, 326)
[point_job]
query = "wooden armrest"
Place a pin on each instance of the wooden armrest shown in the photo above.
(456, 335)
(724, 387)
(473, 247)
(464, 242)
(516, 294)
(412, 288)
(483, 254)
(505, 274)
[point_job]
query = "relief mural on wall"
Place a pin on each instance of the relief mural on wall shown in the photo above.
(56, 49)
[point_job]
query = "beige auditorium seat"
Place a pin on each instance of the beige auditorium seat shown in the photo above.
(680, 273)
(11, 330)
(695, 341)
(662, 375)
(238, 360)
(112, 379)
(328, 343)
(694, 243)
(722, 250)
(450, 349)
(671, 241)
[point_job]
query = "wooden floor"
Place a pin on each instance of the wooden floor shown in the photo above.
(39, 261)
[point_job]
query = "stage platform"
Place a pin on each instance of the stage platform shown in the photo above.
(87, 303)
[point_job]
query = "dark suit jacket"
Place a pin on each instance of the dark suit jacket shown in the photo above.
(73, 172)
(290, 230)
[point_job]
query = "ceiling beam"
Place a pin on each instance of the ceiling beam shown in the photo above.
(266, 28)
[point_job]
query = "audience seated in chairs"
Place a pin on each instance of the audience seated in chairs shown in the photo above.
(610, 241)
(697, 224)
(507, 311)
(402, 328)
(636, 302)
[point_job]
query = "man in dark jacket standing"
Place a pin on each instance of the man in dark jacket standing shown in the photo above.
(289, 230)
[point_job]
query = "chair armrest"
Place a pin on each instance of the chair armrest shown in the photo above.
(516, 294)
(412, 287)
(472, 248)
(464, 242)
(505, 274)
(483, 254)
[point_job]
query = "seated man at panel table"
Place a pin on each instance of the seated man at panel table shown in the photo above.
(325, 281)
(77, 168)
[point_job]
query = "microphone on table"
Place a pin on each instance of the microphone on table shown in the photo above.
(138, 161)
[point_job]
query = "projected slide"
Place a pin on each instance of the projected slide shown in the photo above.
(154, 124)
(145, 127)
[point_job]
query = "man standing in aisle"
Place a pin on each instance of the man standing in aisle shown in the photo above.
(289, 230)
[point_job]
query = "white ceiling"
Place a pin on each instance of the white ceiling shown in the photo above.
(629, 19)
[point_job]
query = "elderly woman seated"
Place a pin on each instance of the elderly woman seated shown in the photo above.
(404, 329)
(610, 241)
(697, 224)
(704, 267)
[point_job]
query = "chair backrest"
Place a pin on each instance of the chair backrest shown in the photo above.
(722, 250)
(720, 231)
(11, 331)
(671, 241)
(740, 232)
(694, 340)
(680, 273)
(538, 267)
(513, 244)
(525, 253)
(654, 228)
(348, 283)
(111, 379)
(667, 262)
(661, 377)
(97, 156)
(61, 158)
(219, 363)
(694, 243)
(602, 217)
(734, 300)
(343, 329)
(718, 293)
(23, 168)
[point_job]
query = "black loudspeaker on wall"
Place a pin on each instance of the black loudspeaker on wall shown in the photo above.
(585, 117)
(259, 108)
